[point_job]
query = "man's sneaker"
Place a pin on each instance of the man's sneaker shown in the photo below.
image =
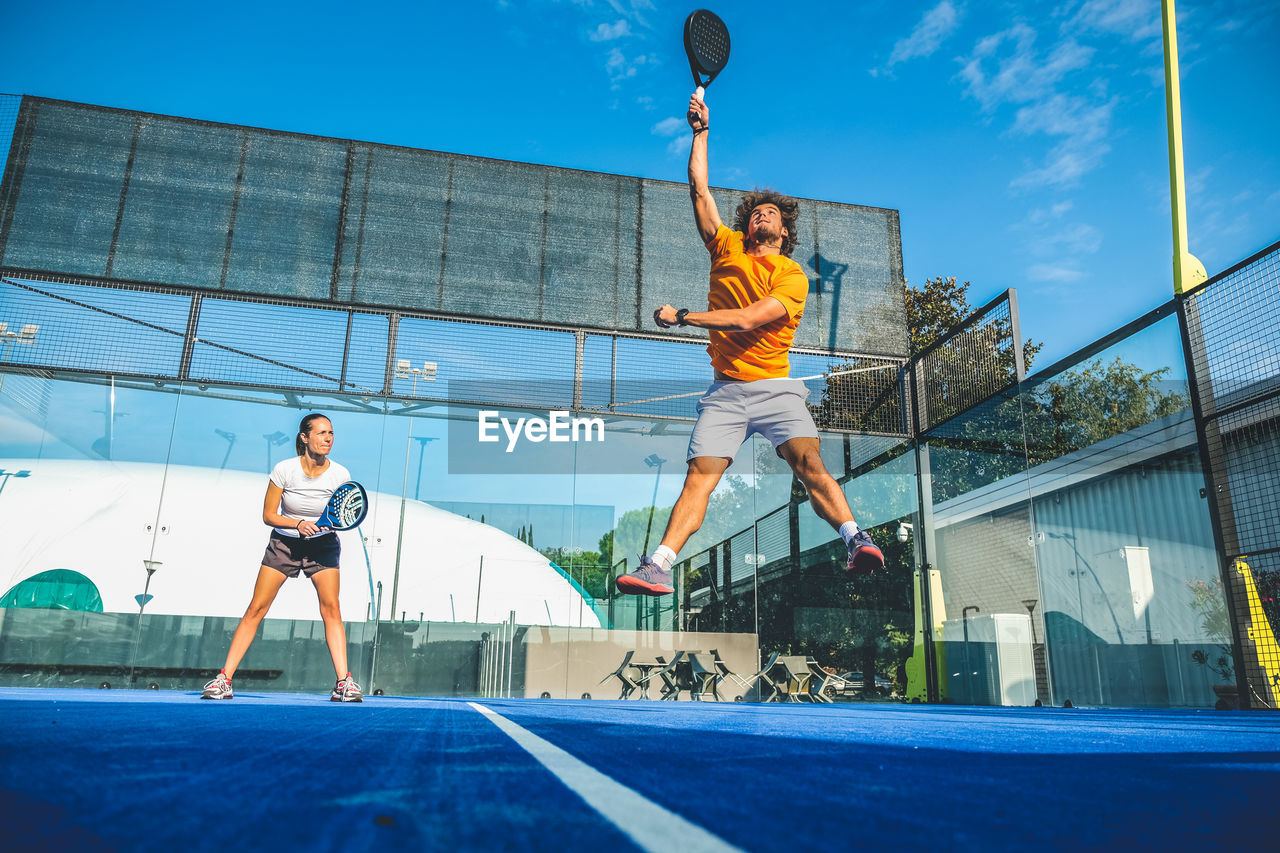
(346, 690)
(864, 557)
(219, 688)
(649, 579)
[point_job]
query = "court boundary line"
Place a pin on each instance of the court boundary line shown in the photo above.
(649, 825)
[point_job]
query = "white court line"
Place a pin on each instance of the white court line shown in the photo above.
(645, 822)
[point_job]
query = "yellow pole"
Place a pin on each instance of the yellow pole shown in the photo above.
(1188, 272)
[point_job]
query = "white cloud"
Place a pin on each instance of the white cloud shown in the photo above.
(1056, 211)
(1076, 239)
(1138, 20)
(1006, 68)
(1085, 127)
(1053, 273)
(669, 127)
(928, 35)
(620, 68)
(609, 32)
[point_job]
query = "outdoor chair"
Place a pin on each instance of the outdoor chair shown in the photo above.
(703, 677)
(796, 677)
(819, 680)
(723, 672)
(629, 686)
(651, 670)
(670, 677)
(764, 682)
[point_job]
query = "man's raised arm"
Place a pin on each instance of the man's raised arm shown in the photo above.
(705, 214)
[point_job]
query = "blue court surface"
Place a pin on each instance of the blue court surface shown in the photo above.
(139, 770)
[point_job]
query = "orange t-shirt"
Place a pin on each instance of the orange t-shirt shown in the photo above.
(738, 280)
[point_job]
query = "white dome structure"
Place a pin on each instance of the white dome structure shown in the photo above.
(202, 529)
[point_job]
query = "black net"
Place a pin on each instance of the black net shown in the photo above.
(977, 361)
(1232, 324)
(90, 191)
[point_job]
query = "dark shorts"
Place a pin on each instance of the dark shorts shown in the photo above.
(290, 555)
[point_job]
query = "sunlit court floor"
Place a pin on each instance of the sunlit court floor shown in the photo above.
(154, 770)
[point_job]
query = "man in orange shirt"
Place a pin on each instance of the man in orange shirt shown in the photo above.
(754, 305)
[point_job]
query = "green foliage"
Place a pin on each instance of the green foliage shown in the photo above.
(1208, 601)
(731, 509)
(1095, 402)
(588, 568)
(940, 306)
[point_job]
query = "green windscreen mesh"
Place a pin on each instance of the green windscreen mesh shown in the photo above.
(105, 193)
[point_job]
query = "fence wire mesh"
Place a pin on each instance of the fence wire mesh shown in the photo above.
(278, 343)
(1232, 325)
(977, 361)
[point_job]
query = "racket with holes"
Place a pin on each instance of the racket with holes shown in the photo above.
(346, 509)
(706, 43)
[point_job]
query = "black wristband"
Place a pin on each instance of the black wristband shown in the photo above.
(698, 130)
(680, 317)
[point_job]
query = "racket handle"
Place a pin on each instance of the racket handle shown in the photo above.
(700, 91)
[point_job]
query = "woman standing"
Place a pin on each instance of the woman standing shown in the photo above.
(297, 493)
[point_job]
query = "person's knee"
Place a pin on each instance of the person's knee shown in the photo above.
(330, 611)
(809, 467)
(257, 610)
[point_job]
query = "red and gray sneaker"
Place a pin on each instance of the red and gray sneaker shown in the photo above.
(219, 688)
(649, 579)
(864, 557)
(346, 690)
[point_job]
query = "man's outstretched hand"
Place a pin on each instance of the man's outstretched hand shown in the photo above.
(665, 317)
(699, 115)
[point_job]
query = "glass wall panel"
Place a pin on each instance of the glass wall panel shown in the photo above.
(81, 480)
(1081, 568)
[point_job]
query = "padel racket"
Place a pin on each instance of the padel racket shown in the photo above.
(347, 508)
(706, 42)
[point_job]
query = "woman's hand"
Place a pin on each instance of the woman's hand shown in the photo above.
(308, 528)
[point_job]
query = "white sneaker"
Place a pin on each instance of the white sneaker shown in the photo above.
(219, 688)
(346, 690)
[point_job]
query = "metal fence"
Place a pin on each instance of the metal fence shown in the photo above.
(1231, 332)
(974, 362)
(162, 334)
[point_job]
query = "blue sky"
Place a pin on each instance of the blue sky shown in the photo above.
(1023, 142)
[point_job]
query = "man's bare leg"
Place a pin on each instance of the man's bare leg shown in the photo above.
(691, 507)
(830, 504)
(654, 575)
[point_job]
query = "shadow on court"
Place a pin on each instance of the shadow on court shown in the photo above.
(133, 770)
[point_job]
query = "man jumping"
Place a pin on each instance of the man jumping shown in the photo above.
(754, 305)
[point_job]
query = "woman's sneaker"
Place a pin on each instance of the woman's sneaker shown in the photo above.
(219, 688)
(346, 690)
(864, 557)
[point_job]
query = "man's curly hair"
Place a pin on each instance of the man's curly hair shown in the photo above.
(789, 207)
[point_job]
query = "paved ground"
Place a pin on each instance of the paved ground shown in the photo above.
(141, 770)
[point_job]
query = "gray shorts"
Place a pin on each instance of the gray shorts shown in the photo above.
(290, 555)
(731, 411)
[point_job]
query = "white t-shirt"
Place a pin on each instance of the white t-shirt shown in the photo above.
(305, 497)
